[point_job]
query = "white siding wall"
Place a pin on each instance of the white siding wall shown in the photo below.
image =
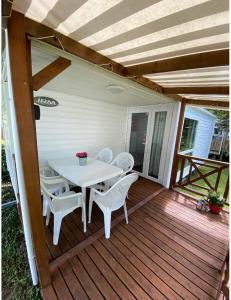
(79, 124)
(204, 133)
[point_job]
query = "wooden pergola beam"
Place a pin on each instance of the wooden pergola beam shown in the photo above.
(49, 72)
(199, 102)
(192, 61)
(20, 63)
(37, 30)
(203, 90)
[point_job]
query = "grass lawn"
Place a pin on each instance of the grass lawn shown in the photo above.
(16, 280)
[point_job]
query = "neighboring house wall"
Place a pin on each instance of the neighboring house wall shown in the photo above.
(79, 124)
(204, 131)
(204, 134)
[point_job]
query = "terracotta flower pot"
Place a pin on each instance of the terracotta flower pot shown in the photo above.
(215, 209)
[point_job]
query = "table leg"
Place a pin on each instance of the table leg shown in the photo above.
(84, 210)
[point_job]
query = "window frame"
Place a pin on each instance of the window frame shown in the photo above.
(185, 152)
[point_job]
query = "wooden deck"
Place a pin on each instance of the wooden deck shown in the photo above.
(72, 228)
(167, 251)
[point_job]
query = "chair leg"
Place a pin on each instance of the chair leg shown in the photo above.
(125, 212)
(90, 207)
(57, 225)
(44, 206)
(48, 215)
(84, 216)
(107, 222)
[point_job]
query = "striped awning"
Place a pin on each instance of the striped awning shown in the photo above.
(134, 32)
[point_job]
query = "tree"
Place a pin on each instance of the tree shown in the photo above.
(222, 119)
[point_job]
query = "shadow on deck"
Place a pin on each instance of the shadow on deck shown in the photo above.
(167, 251)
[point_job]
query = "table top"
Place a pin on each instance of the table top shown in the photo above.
(94, 172)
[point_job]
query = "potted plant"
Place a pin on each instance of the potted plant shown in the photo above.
(216, 202)
(82, 158)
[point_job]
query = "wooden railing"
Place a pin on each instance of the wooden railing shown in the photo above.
(191, 177)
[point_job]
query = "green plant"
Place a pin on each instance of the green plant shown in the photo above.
(214, 198)
(5, 174)
(16, 279)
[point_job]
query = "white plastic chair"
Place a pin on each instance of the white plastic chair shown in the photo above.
(61, 206)
(112, 200)
(54, 183)
(105, 155)
(123, 160)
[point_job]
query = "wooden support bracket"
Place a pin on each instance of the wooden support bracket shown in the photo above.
(49, 72)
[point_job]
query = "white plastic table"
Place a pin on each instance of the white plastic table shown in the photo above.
(94, 172)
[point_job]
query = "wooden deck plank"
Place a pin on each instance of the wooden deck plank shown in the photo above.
(194, 221)
(179, 254)
(168, 250)
(49, 293)
(60, 286)
(72, 282)
(99, 280)
(171, 269)
(135, 271)
(155, 267)
(187, 236)
(162, 213)
(217, 221)
(131, 284)
(180, 243)
(87, 283)
(114, 280)
(184, 226)
(221, 220)
(172, 261)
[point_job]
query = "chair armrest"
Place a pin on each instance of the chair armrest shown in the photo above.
(68, 196)
(100, 193)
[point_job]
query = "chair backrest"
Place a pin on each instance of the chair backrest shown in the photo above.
(46, 193)
(105, 155)
(46, 172)
(116, 195)
(125, 161)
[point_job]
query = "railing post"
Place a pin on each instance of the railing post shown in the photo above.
(226, 193)
(182, 170)
(177, 144)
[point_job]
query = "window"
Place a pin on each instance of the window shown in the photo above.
(188, 134)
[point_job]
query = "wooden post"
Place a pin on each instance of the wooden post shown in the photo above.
(23, 102)
(177, 144)
(226, 192)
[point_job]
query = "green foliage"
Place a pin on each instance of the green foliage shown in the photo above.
(215, 199)
(223, 118)
(5, 174)
(16, 279)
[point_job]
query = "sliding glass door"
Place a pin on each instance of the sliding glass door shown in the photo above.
(139, 124)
